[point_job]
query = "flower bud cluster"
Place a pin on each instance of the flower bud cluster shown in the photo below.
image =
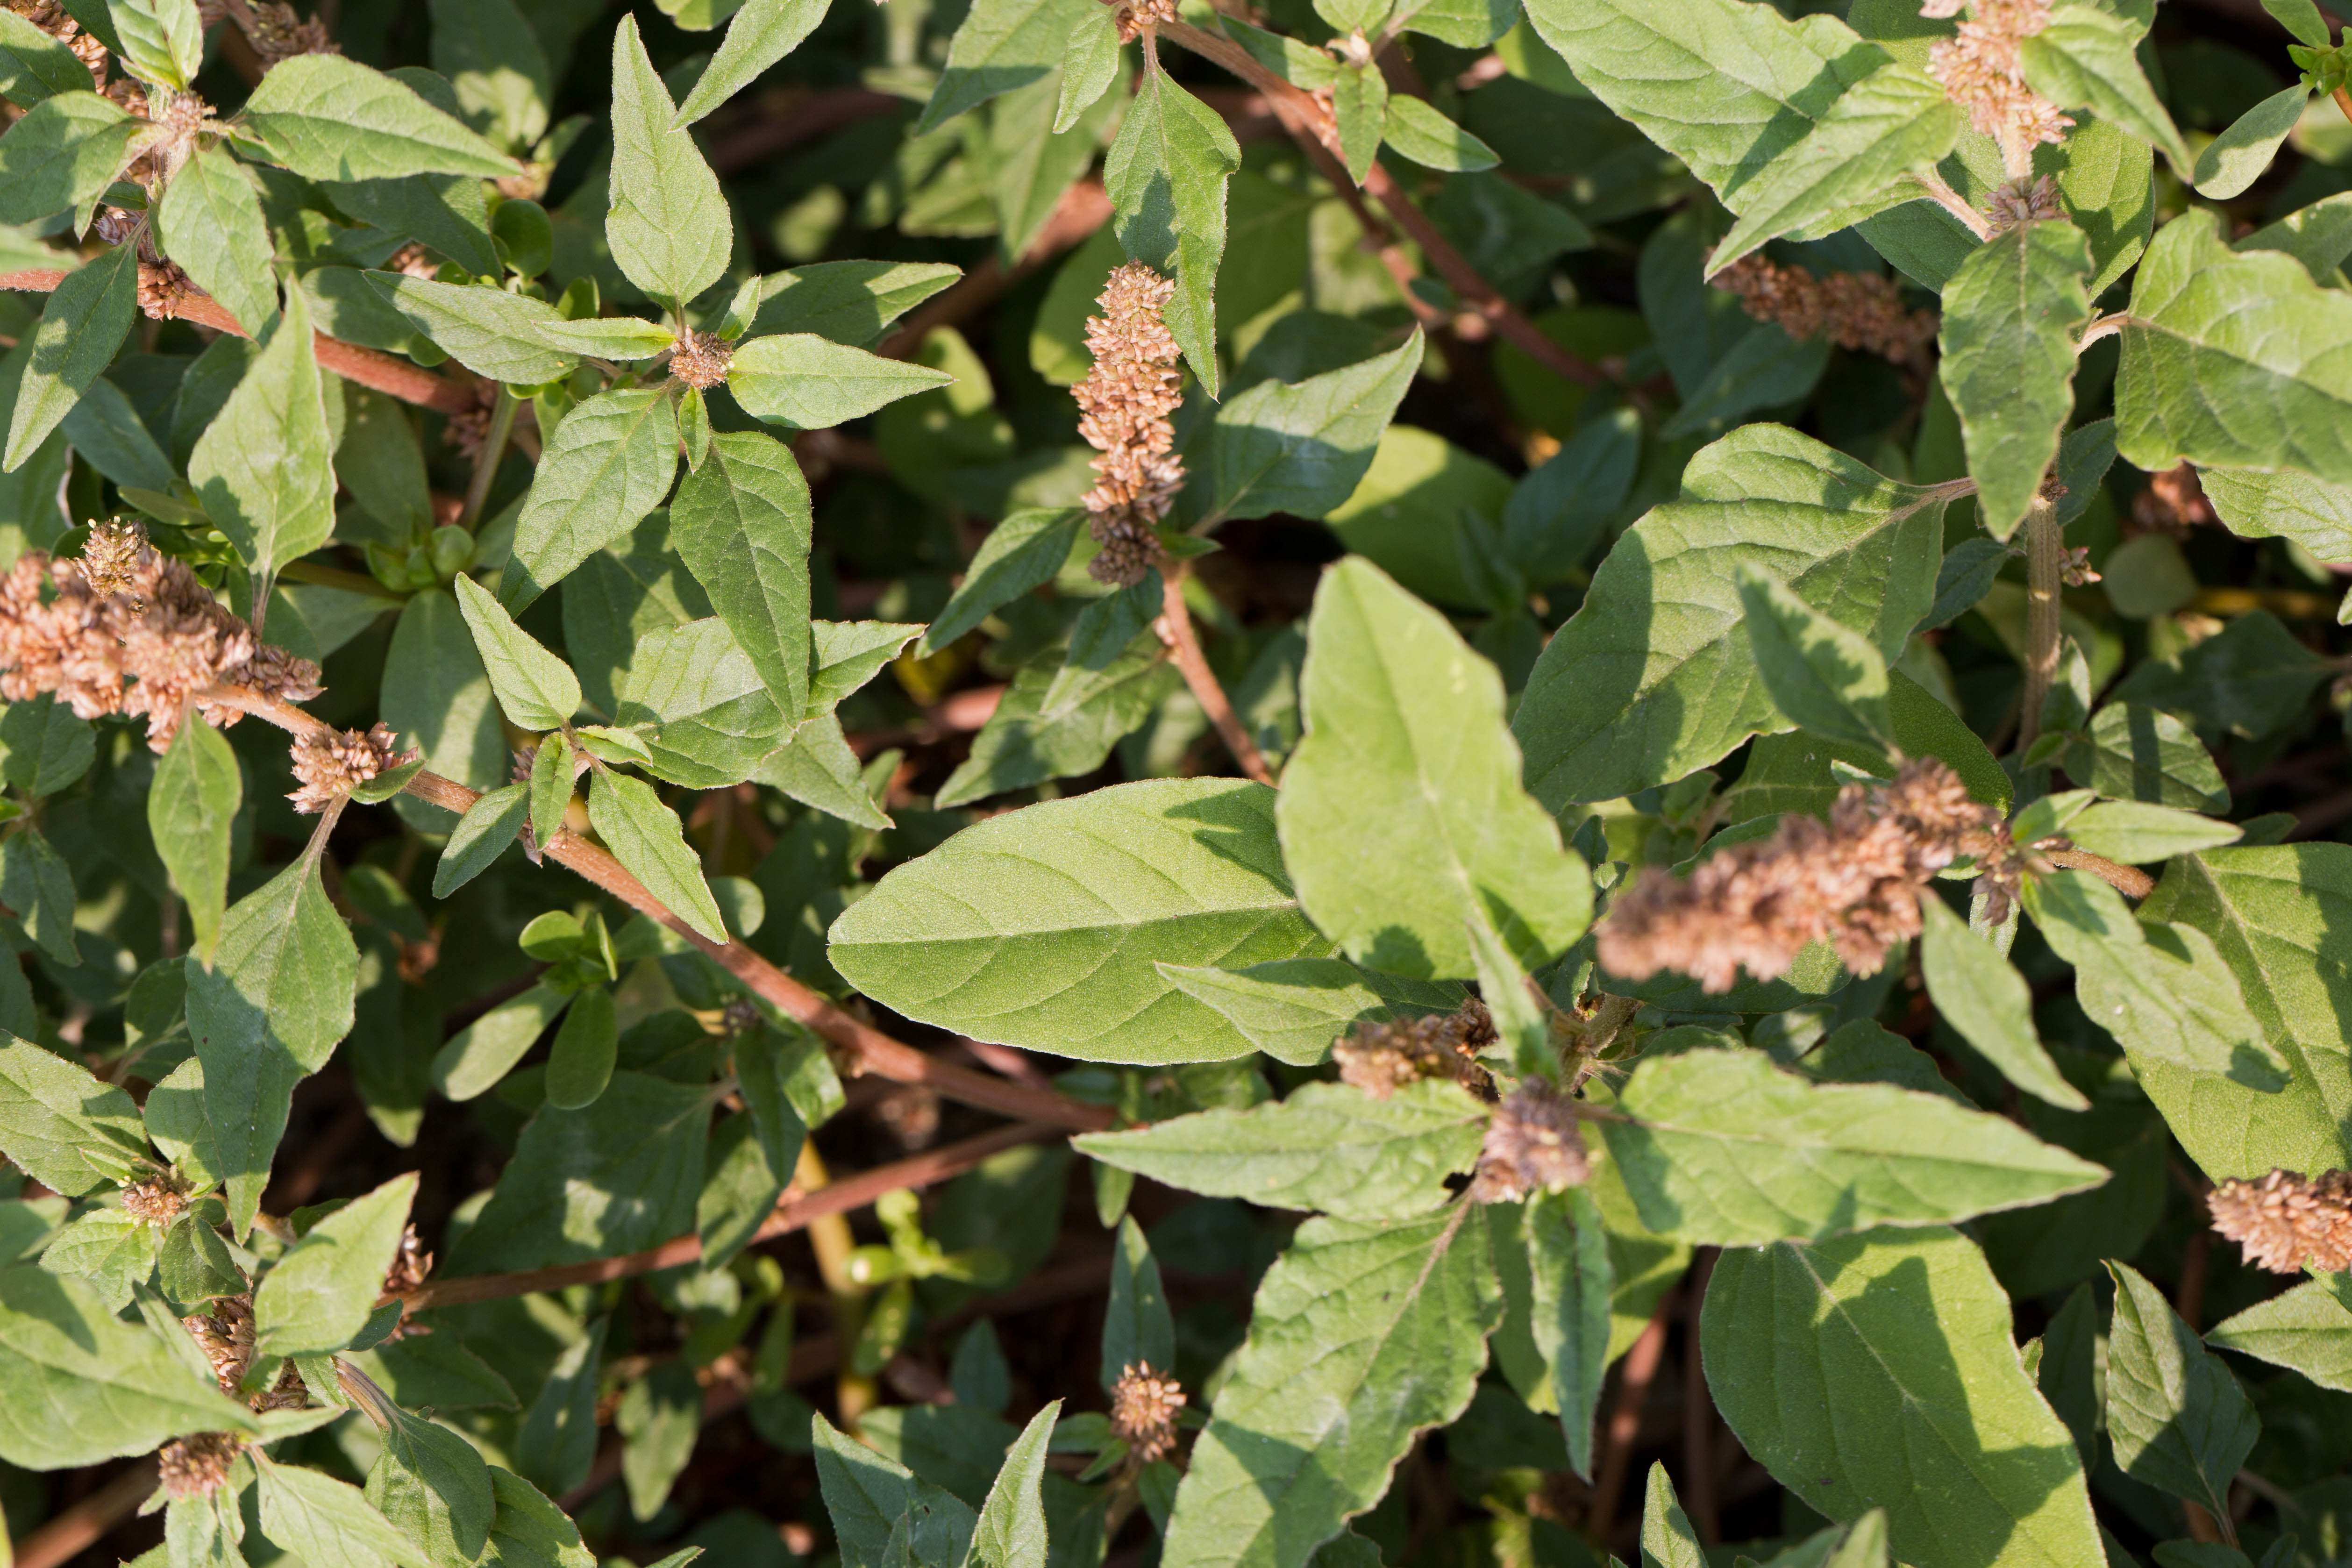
(1855, 309)
(2285, 1220)
(1123, 408)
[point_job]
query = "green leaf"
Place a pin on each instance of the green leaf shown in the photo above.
(1892, 123)
(1724, 1147)
(479, 1055)
(537, 690)
(1019, 554)
(2278, 916)
(262, 468)
(62, 1126)
(327, 1520)
(2177, 1417)
(1622, 698)
(266, 1013)
(1569, 1268)
(762, 33)
(1360, 1335)
(447, 212)
(1329, 1148)
(79, 1386)
(1043, 927)
(1667, 1539)
(1089, 61)
(2137, 833)
(44, 747)
(2084, 57)
(1138, 1330)
(646, 836)
(2313, 513)
(107, 1249)
(1047, 726)
(767, 1070)
(699, 708)
(1294, 1008)
(195, 1266)
(1303, 448)
(1001, 44)
(1416, 130)
(1402, 814)
(849, 301)
(1822, 677)
(845, 655)
(318, 1295)
(819, 770)
(327, 117)
(580, 1062)
(742, 520)
(668, 225)
(1011, 1530)
(84, 323)
(33, 65)
(488, 330)
(557, 1442)
(62, 154)
(433, 1486)
(2010, 316)
(2135, 753)
(2251, 680)
(37, 885)
(1988, 1003)
(105, 428)
(871, 1497)
(162, 41)
(191, 809)
(659, 1417)
(1878, 1371)
(529, 1530)
(2301, 18)
(552, 773)
(1165, 174)
(497, 72)
(210, 222)
(610, 463)
(623, 338)
(804, 382)
(2232, 359)
(481, 836)
(2307, 1329)
(2237, 157)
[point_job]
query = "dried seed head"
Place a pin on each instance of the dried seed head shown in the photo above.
(164, 288)
(289, 1393)
(911, 1113)
(328, 762)
(2282, 1221)
(277, 32)
(1854, 881)
(109, 558)
(410, 1265)
(159, 1200)
(1134, 15)
(225, 1335)
(700, 359)
(1980, 73)
(1532, 1143)
(194, 1466)
(1861, 310)
(1381, 1058)
(1123, 408)
(1143, 1406)
(2033, 199)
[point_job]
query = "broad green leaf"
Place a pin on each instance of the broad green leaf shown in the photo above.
(488, 330)
(210, 222)
(1165, 175)
(646, 836)
(668, 225)
(481, 836)
(742, 520)
(609, 464)
(537, 690)
(2278, 914)
(1892, 123)
(2133, 751)
(1019, 554)
(763, 32)
(1001, 44)
(1414, 129)
(62, 154)
(1293, 1008)
(1402, 814)
(1303, 448)
(2313, 513)
(1043, 927)
(1988, 1003)
(1011, 1530)
(62, 1126)
(79, 1386)
(1823, 679)
(1329, 1147)
(1089, 61)
(819, 770)
(2083, 57)
(2236, 360)
(33, 65)
(496, 69)
(698, 708)
(327, 1521)
(804, 382)
(37, 885)
(2308, 1329)
(330, 118)
(479, 1055)
(557, 1442)
(2138, 833)
(1878, 1371)
(162, 41)
(2237, 157)
(81, 327)
(2177, 1417)
(1360, 1335)
(1058, 722)
(849, 301)
(2011, 315)
(266, 1015)
(528, 1532)
(876, 1503)
(2252, 678)
(1724, 1147)
(1571, 1279)
(190, 808)
(1624, 697)
(262, 467)
(44, 747)
(580, 1062)
(318, 1295)
(107, 1250)
(1667, 1539)
(659, 1417)
(845, 655)
(1138, 1330)
(176, 1120)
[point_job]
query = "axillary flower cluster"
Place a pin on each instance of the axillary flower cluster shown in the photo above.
(1123, 408)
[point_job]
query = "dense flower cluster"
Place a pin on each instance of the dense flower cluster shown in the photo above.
(1123, 408)
(701, 359)
(1980, 73)
(1854, 881)
(193, 1466)
(2284, 1220)
(127, 630)
(328, 762)
(1532, 1145)
(1143, 1407)
(1381, 1058)
(2024, 200)
(1855, 309)
(159, 1200)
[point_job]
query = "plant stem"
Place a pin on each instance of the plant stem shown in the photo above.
(853, 1392)
(1176, 631)
(2045, 567)
(86, 1522)
(2129, 881)
(1940, 191)
(485, 461)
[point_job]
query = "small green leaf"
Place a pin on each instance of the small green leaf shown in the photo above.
(162, 41)
(327, 117)
(37, 885)
(646, 836)
(1011, 1530)
(1667, 1539)
(805, 381)
(1821, 677)
(659, 1417)
(317, 1297)
(1019, 554)
(1294, 1008)
(742, 521)
(1988, 1003)
(496, 69)
(1165, 175)
(551, 785)
(762, 32)
(191, 810)
(2138, 833)
(1138, 1330)
(2307, 1329)
(668, 225)
(623, 338)
(580, 1062)
(2136, 752)
(1568, 1265)
(479, 1055)
(434, 1487)
(210, 222)
(2177, 1417)
(870, 1495)
(1303, 448)
(63, 1127)
(2237, 157)
(1416, 130)
(537, 690)
(557, 1441)
(43, 746)
(1001, 44)
(1058, 720)
(327, 1521)
(34, 65)
(84, 323)
(2010, 316)
(481, 836)
(488, 330)
(263, 467)
(62, 154)
(845, 655)
(2084, 57)
(1089, 61)
(610, 463)
(699, 708)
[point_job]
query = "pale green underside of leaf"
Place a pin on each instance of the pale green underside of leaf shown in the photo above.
(333, 119)
(1294, 1008)
(1043, 927)
(2308, 1329)
(2313, 513)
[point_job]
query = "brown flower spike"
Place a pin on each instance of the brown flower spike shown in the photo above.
(1123, 408)
(1854, 881)
(1381, 1058)
(2284, 1220)
(1980, 73)
(1143, 1406)
(328, 762)
(1855, 309)
(194, 1466)
(1532, 1145)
